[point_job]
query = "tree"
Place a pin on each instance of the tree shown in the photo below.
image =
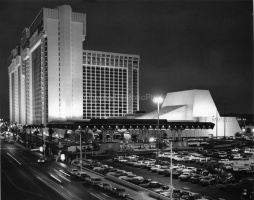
(110, 152)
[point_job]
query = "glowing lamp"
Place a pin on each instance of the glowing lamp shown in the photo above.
(158, 100)
(62, 157)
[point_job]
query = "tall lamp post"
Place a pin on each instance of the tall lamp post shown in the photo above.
(158, 100)
(79, 128)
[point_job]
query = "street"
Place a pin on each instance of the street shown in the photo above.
(24, 179)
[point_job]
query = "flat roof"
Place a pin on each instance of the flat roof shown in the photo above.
(130, 124)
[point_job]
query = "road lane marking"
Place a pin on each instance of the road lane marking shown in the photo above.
(14, 159)
(99, 197)
(64, 177)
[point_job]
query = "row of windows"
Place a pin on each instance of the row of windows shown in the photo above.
(98, 80)
(106, 69)
(105, 73)
(98, 55)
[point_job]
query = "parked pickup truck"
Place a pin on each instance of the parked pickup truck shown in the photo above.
(93, 180)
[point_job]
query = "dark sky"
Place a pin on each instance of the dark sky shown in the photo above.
(183, 44)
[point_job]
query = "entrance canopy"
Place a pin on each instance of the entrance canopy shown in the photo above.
(130, 124)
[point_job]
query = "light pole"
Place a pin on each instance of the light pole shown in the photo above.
(158, 100)
(171, 182)
(79, 128)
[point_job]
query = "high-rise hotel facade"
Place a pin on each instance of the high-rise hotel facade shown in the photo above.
(51, 77)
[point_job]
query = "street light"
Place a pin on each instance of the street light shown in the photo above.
(79, 128)
(158, 100)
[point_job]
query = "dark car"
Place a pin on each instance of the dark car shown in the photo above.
(120, 192)
(152, 184)
(107, 170)
(195, 178)
(175, 174)
(81, 176)
(207, 180)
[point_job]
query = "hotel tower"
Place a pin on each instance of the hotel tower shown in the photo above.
(51, 77)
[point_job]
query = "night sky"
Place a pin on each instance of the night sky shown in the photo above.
(183, 44)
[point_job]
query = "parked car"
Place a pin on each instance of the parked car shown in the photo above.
(222, 154)
(139, 179)
(161, 170)
(120, 192)
(184, 176)
(138, 164)
(152, 184)
(176, 173)
(117, 158)
(178, 158)
(155, 167)
(107, 170)
(202, 160)
(227, 166)
(123, 160)
(127, 177)
(73, 171)
(93, 180)
(150, 165)
(236, 156)
(81, 175)
(100, 168)
(207, 180)
(195, 178)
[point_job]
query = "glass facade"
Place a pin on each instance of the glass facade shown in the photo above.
(36, 85)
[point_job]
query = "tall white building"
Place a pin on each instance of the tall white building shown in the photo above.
(47, 72)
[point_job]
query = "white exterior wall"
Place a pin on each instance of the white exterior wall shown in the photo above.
(75, 110)
(199, 107)
(175, 115)
(65, 70)
(181, 98)
(13, 68)
(53, 69)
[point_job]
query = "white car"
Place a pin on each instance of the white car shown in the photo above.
(73, 171)
(144, 164)
(178, 158)
(81, 175)
(161, 170)
(132, 157)
(117, 158)
(155, 167)
(236, 156)
(98, 169)
(138, 164)
(123, 160)
(128, 177)
(235, 150)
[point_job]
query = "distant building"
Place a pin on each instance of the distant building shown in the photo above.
(51, 77)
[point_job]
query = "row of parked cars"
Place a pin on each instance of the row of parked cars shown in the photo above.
(155, 186)
(180, 171)
(164, 190)
(95, 181)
